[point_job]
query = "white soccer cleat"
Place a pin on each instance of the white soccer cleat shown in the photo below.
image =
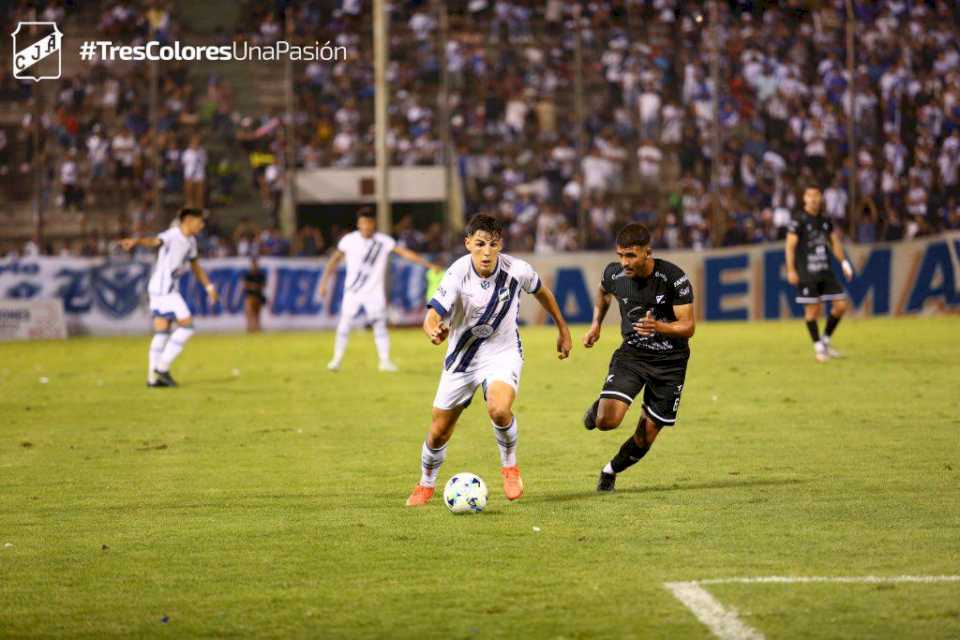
(820, 351)
(333, 365)
(387, 366)
(833, 353)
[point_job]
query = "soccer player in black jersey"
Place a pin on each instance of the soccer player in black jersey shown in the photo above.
(809, 239)
(656, 320)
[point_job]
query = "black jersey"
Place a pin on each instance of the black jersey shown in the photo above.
(812, 257)
(666, 287)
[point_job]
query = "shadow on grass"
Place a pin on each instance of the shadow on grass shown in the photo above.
(720, 484)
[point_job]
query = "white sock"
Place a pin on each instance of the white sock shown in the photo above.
(156, 348)
(343, 337)
(382, 339)
(507, 438)
(430, 461)
(174, 346)
(608, 469)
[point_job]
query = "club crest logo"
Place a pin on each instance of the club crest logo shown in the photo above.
(36, 51)
(482, 331)
(117, 287)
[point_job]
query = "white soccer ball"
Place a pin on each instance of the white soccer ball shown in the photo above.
(465, 493)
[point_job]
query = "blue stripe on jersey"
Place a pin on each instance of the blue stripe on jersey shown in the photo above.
(355, 280)
(439, 308)
(360, 280)
(471, 351)
(372, 253)
(491, 307)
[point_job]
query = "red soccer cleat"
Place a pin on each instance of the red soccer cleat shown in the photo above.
(420, 496)
(512, 482)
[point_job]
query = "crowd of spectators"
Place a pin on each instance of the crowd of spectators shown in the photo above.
(645, 151)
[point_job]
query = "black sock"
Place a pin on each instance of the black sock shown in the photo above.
(832, 322)
(630, 454)
(814, 331)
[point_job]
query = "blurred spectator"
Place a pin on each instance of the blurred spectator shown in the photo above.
(254, 285)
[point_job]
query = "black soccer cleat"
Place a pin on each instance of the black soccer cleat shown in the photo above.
(607, 482)
(590, 417)
(164, 379)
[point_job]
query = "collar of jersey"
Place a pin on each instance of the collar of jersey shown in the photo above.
(492, 273)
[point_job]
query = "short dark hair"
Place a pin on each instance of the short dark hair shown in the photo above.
(483, 222)
(633, 235)
(366, 212)
(191, 212)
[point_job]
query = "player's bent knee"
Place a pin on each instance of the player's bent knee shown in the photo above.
(606, 422)
(839, 307)
(500, 415)
(186, 323)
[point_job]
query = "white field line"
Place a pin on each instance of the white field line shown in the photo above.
(723, 623)
(726, 625)
(840, 579)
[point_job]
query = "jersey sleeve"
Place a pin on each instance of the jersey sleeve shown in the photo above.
(164, 237)
(344, 244)
(606, 280)
(445, 297)
(794, 226)
(528, 278)
(388, 243)
(193, 253)
(682, 288)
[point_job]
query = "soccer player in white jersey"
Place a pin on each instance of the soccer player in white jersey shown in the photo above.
(177, 247)
(367, 253)
(477, 304)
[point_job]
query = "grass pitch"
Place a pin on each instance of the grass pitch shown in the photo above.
(265, 496)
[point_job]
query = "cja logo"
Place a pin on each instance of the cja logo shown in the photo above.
(33, 44)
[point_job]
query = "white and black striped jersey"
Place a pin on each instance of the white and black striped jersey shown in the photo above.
(482, 312)
(176, 252)
(367, 260)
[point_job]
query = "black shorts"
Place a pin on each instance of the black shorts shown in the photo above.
(820, 288)
(662, 383)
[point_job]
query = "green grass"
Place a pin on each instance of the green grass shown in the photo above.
(268, 502)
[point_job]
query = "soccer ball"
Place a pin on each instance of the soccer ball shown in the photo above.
(465, 493)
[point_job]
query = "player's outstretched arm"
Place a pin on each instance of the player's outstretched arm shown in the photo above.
(416, 258)
(329, 270)
(434, 326)
(837, 245)
(546, 299)
(599, 313)
(128, 244)
(790, 253)
(201, 277)
(683, 327)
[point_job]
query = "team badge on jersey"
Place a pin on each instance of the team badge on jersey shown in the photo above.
(482, 331)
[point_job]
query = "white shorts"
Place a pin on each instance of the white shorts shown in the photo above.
(169, 306)
(457, 389)
(374, 306)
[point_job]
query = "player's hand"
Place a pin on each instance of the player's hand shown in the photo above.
(128, 243)
(440, 334)
(212, 294)
(592, 336)
(564, 344)
(323, 290)
(647, 326)
(792, 277)
(847, 269)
